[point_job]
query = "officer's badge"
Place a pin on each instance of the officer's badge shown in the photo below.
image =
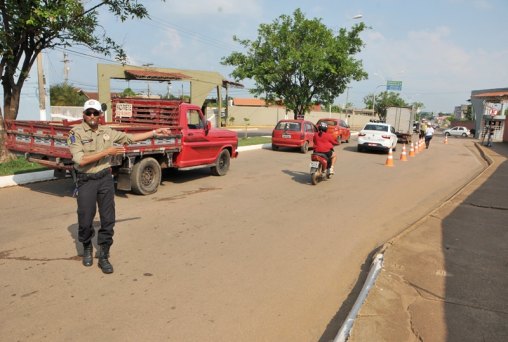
(71, 139)
(106, 137)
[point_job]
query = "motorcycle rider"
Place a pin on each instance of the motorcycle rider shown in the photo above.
(324, 143)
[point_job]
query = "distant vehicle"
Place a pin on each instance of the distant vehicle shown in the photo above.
(377, 136)
(294, 133)
(338, 128)
(401, 119)
(458, 131)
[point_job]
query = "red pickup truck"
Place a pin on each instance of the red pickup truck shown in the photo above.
(193, 143)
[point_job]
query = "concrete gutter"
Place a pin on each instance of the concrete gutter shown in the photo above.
(375, 268)
(41, 176)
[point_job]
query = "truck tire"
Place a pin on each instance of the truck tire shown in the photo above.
(222, 164)
(146, 176)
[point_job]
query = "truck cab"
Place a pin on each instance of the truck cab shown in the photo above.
(201, 143)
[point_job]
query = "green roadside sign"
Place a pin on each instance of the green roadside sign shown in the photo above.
(394, 85)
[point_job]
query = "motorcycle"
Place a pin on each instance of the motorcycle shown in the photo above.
(319, 167)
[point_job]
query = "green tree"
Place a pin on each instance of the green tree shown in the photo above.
(469, 113)
(128, 92)
(418, 106)
(299, 61)
(64, 94)
(28, 27)
(384, 100)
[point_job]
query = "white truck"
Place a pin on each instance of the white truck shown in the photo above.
(401, 118)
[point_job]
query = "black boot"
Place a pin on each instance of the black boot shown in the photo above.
(87, 254)
(104, 263)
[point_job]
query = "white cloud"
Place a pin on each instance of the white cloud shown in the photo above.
(433, 66)
(211, 7)
(171, 41)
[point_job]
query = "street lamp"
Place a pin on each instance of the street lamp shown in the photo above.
(374, 98)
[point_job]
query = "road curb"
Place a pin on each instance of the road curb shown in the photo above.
(25, 178)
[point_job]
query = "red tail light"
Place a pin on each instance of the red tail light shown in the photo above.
(385, 136)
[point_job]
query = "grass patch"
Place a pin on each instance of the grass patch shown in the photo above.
(254, 141)
(19, 165)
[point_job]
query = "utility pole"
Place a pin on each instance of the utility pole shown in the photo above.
(66, 68)
(148, 65)
(42, 88)
(347, 99)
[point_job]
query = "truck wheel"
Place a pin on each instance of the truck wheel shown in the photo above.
(305, 147)
(146, 176)
(222, 164)
(275, 147)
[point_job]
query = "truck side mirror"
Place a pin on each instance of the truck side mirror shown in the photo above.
(208, 126)
(104, 107)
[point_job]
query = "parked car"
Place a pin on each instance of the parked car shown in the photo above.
(338, 128)
(377, 136)
(459, 131)
(294, 133)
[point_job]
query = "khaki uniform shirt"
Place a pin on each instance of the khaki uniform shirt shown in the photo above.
(83, 141)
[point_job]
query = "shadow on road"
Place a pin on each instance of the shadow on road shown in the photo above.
(59, 187)
(73, 231)
(299, 177)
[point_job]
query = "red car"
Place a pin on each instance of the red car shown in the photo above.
(293, 133)
(338, 128)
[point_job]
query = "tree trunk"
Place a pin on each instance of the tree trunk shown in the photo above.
(11, 101)
(5, 155)
(11, 105)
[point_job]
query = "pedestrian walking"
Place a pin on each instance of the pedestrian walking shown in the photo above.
(429, 132)
(491, 135)
(92, 145)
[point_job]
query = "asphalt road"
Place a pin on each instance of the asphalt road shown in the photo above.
(257, 255)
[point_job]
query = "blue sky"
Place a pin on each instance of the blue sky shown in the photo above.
(439, 49)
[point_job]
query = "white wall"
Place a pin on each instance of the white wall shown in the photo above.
(269, 116)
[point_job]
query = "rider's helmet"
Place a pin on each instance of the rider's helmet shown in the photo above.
(322, 127)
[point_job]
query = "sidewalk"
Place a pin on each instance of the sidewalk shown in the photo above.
(446, 278)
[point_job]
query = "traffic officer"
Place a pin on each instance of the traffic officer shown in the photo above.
(91, 145)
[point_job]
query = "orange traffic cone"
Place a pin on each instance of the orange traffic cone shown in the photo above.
(411, 150)
(417, 150)
(403, 156)
(420, 146)
(446, 139)
(389, 160)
